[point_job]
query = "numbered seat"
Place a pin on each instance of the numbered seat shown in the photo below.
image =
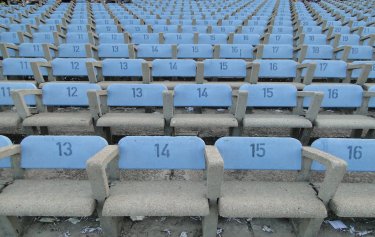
(355, 52)
(278, 39)
(27, 50)
(230, 71)
(276, 70)
(178, 38)
(20, 68)
(15, 37)
(164, 28)
(46, 197)
(253, 29)
(353, 103)
(364, 77)
(223, 29)
(347, 200)
(81, 38)
(116, 51)
(113, 38)
(277, 51)
(99, 29)
(233, 51)
(312, 39)
(10, 121)
(150, 120)
(200, 98)
(53, 95)
(151, 51)
(146, 38)
(314, 52)
(270, 96)
(195, 51)
(212, 38)
(295, 200)
(137, 29)
(193, 29)
(62, 69)
(157, 198)
(249, 39)
(77, 51)
(334, 71)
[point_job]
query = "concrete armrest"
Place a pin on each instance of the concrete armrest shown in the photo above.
(310, 70)
(96, 170)
(97, 103)
(335, 171)
(369, 94)
(9, 151)
(365, 70)
(314, 107)
(18, 97)
(214, 172)
(92, 74)
(168, 105)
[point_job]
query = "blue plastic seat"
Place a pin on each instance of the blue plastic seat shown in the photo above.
(328, 69)
(277, 51)
(113, 51)
(225, 68)
(280, 39)
(76, 37)
(173, 68)
(311, 29)
(73, 51)
(70, 67)
(106, 29)
(77, 28)
(122, 67)
(357, 52)
(20, 66)
(32, 50)
(154, 51)
(178, 38)
(314, 39)
(212, 38)
(252, 39)
(231, 22)
(194, 28)
(145, 38)
(7, 87)
(233, 51)
(223, 29)
(282, 30)
(194, 51)
(136, 28)
(276, 68)
(112, 38)
(317, 52)
(12, 37)
(165, 28)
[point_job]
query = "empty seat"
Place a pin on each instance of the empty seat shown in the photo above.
(178, 38)
(202, 96)
(116, 51)
(77, 51)
(20, 68)
(113, 38)
(50, 197)
(155, 51)
(348, 198)
(314, 52)
(284, 199)
(345, 98)
(252, 39)
(212, 38)
(146, 38)
(157, 198)
(57, 94)
(278, 39)
(366, 76)
(233, 51)
(269, 96)
(274, 51)
(151, 119)
(83, 38)
(195, 51)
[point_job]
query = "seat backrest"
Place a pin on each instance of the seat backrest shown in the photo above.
(337, 95)
(253, 30)
(328, 68)
(136, 29)
(21, 66)
(233, 51)
(252, 39)
(273, 68)
(212, 38)
(165, 28)
(5, 162)
(106, 29)
(314, 39)
(72, 51)
(260, 153)
(5, 92)
(77, 28)
(122, 67)
(356, 72)
(318, 52)
(162, 152)
(154, 51)
(67, 94)
(113, 51)
(135, 95)
(280, 39)
(173, 68)
(358, 52)
(70, 66)
(312, 29)
(358, 153)
(64, 152)
(32, 50)
(223, 29)
(270, 95)
(278, 51)
(145, 38)
(194, 28)
(10, 37)
(348, 39)
(225, 68)
(179, 38)
(112, 38)
(77, 37)
(202, 95)
(194, 51)
(282, 30)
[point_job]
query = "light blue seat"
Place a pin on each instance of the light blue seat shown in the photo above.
(357, 153)
(317, 52)
(48, 27)
(136, 29)
(194, 51)
(256, 23)
(105, 21)
(112, 38)
(154, 51)
(194, 28)
(311, 29)
(77, 28)
(122, 67)
(6, 88)
(206, 22)
(12, 37)
(113, 50)
(252, 39)
(145, 38)
(357, 52)
(32, 50)
(280, 39)
(73, 51)
(165, 28)
(178, 38)
(273, 68)
(5, 162)
(340, 29)
(20, 66)
(106, 29)
(231, 22)
(70, 67)
(357, 72)
(212, 38)
(83, 38)
(17, 27)
(277, 51)
(327, 69)
(233, 51)
(173, 68)
(347, 39)
(225, 68)
(282, 30)
(223, 29)
(314, 39)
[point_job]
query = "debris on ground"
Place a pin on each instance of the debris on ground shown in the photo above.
(163, 218)
(359, 233)
(337, 224)
(137, 218)
(167, 232)
(267, 229)
(219, 231)
(74, 220)
(48, 220)
(196, 218)
(189, 109)
(88, 230)
(66, 234)
(183, 234)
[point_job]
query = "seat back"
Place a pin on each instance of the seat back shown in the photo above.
(356, 72)
(145, 38)
(173, 68)
(212, 39)
(154, 51)
(233, 51)
(260, 153)
(337, 95)
(5, 162)
(135, 95)
(277, 68)
(122, 67)
(194, 51)
(178, 38)
(270, 95)
(21, 66)
(143, 152)
(113, 51)
(328, 68)
(202, 95)
(70, 66)
(252, 39)
(225, 68)
(67, 94)
(5, 92)
(358, 153)
(278, 51)
(64, 152)
(111, 38)
(72, 51)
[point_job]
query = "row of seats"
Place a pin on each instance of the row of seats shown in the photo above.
(207, 198)
(213, 106)
(233, 71)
